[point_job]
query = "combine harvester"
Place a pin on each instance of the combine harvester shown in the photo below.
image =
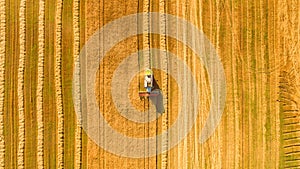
(148, 85)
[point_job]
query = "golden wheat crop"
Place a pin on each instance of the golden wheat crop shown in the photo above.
(257, 42)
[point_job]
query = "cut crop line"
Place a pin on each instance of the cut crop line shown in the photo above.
(290, 117)
(291, 138)
(294, 166)
(293, 145)
(290, 120)
(292, 152)
(293, 111)
(76, 50)
(40, 85)
(293, 123)
(289, 132)
(146, 37)
(292, 160)
(163, 45)
(58, 86)
(2, 80)
(21, 69)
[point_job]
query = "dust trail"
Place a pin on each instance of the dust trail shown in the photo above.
(40, 85)
(58, 86)
(2, 80)
(76, 51)
(21, 68)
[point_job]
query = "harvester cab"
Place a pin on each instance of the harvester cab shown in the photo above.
(148, 85)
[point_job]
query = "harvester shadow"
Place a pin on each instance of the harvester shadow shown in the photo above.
(157, 100)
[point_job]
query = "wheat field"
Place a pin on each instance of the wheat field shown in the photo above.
(258, 43)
